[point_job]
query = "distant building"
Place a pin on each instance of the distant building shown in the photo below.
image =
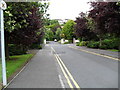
(62, 21)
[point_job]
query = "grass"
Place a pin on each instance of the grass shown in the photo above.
(16, 62)
(114, 50)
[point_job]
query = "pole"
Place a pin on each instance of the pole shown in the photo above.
(4, 78)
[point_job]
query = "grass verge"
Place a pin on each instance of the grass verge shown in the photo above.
(114, 50)
(16, 62)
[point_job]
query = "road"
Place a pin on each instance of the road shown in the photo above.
(88, 70)
(67, 66)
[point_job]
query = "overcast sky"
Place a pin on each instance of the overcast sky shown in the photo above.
(67, 9)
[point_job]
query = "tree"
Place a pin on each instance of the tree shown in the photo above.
(68, 30)
(49, 35)
(52, 25)
(81, 27)
(106, 18)
(23, 23)
(58, 33)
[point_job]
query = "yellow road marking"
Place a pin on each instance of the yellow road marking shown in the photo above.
(63, 65)
(96, 53)
(75, 83)
(68, 81)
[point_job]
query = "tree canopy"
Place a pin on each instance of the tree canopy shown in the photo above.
(68, 30)
(24, 23)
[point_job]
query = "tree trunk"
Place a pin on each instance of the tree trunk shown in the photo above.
(7, 48)
(100, 42)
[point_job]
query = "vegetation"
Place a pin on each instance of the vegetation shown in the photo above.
(49, 35)
(58, 33)
(16, 62)
(68, 30)
(52, 30)
(101, 27)
(24, 30)
(24, 25)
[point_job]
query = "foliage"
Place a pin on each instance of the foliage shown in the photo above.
(24, 23)
(68, 30)
(16, 50)
(49, 35)
(106, 44)
(82, 28)
(58, 33)
(93, 44)
(106, 17)
(102, 23)
(66, 42)
(53, 25)
(111, 43)
(83, 43)
(36, 46)
(51, 29)
(77, 44)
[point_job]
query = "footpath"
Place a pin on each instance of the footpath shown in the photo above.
(40, 72)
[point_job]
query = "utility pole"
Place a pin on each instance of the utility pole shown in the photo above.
(3, 7)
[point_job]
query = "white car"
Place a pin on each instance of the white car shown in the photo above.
(55, 40)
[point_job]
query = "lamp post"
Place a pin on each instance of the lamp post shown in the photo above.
(3, 7)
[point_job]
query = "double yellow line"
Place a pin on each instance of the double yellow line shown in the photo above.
(95, 53)
(65, 71)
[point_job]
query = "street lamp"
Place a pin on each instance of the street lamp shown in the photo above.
(3, 7)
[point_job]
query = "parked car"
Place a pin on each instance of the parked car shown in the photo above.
(55, 40)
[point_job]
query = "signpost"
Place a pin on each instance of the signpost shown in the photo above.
(3, 7)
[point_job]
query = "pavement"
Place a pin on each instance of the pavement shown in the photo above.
(40, 72)
(59, 66)
(100, 51)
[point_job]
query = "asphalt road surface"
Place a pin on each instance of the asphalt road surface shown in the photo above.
(88, 70)
(65, 66)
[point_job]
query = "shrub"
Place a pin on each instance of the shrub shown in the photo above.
(93, 44)
(83, 43)
(103, 47)
(77, 44)
(106, 44)
(111, 43)
(36, 46)
(70, 41)
(66, 42)
(59, 41)
(16, 50)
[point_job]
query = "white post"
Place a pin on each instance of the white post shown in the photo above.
(44, 41)
(74, 41)
(62, 41)
(2, 7)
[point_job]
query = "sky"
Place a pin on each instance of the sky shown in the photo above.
(67, 9)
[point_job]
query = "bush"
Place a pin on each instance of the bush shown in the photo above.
(66, 43)
(77, 44)
(93, 44)
(111, 43)
(83, 43)
(36, 46)
(106, 44)
(70, 41)
(16, 50)
(103, 47)
(59, 41)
